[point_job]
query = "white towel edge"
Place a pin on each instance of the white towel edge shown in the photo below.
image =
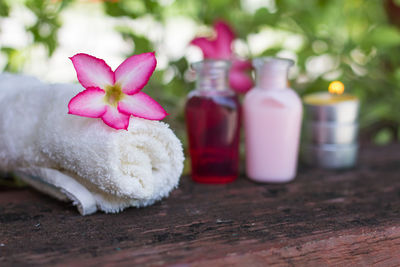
(59, 186)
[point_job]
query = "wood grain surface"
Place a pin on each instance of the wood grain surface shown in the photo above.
(338, 218)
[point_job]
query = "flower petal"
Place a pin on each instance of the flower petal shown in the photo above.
(115, 119)
(92, 71)
(225, 37)
(207, 47)
(240, 81)
(143, 106)
(88, 103)
(241, 64)
(134, 73)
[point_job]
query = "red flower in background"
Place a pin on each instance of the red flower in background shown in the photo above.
(221, 48)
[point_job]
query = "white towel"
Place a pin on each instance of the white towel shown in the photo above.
(82, 159)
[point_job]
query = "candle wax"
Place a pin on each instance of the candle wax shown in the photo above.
(328, 98)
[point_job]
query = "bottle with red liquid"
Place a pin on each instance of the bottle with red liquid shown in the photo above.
(213, 121)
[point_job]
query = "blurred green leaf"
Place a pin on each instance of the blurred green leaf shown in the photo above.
(264, 17)
(271, 52)
(131, 8)
(384, 36)
(140, 43)
(16, 59)
(383, 137)
(45, 30)
(4, 8)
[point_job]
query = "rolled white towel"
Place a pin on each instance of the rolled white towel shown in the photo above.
(82, 159)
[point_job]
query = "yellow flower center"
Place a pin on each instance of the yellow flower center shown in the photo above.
(113, 95)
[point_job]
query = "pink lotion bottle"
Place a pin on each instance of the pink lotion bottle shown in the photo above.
(272, 120)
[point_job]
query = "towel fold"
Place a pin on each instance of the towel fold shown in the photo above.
(81, 159)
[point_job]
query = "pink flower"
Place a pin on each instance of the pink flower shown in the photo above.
(114, 96)
(221, 48)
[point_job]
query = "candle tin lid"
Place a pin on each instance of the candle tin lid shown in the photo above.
(341, 112)
(325, 98)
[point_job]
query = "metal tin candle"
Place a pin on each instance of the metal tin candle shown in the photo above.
(331, 128)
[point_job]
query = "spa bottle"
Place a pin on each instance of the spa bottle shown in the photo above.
(272, 120)
(213, 121)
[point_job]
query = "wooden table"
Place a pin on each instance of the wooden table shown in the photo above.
(323, 217)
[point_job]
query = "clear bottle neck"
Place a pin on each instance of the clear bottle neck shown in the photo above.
(272, 73)
(212, 74)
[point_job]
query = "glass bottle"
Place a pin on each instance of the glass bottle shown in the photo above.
(272, 120)
(213, 121)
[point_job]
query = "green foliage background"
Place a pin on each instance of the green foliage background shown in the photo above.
(356, 33)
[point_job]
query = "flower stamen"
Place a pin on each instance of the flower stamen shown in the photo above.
(113, 94)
